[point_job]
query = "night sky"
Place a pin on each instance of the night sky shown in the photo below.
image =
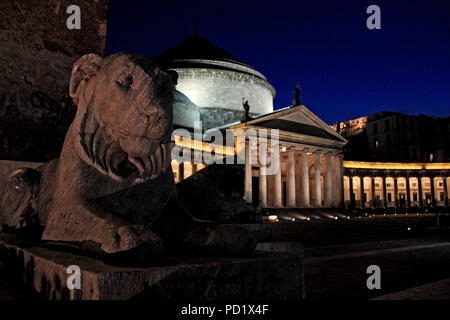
(344, 69)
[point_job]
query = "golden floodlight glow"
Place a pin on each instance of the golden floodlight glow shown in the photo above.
(204, 146)
(272, 218)
(437, 166)
(396, 165)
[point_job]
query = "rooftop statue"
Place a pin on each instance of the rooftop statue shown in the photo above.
(245, 117)
(296, 101)
(112, 188)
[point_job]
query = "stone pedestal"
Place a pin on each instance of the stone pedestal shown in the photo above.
(263, 276)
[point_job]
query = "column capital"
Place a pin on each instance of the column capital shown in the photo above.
(317, 151)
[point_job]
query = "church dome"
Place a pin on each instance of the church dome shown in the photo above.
(196, 47)
(216, 81)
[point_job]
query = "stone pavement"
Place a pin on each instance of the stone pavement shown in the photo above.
(438, 290)
(343, 275)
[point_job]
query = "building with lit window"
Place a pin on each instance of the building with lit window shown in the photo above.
(310, 154)
(397, 185)
(211, 87)
(393, 136)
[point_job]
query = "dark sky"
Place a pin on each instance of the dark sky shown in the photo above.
(344, 69)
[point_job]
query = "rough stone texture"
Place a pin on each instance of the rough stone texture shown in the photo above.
(262, 276)
(261, 231)
(20, 199)
(216, 193)
(88, 193)
(112, 188)
(37, 52)
(294, 247)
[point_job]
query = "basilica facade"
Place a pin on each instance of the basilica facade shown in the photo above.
(307, 154)
(213, 90)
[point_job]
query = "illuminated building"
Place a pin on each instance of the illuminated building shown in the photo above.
(393, 136)
(310, 155)
(398, 185)
(210, 88)
(212, 83)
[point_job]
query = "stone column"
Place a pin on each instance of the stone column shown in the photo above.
(341, 178)
(180, 168)
(361, 192)
(329, 181)
(350, 189)
(445, 191)
(304, 170)
(263, 177)
(408, 193)
(248, 175)
(317, 182)
(383, 183)
(336, 177)
(433, 196)
(396, 192)
(291, 201)
(419, 185)
(277, 180)
(194, 156)
(372, 192)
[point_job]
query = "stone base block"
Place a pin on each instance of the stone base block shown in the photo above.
(263, 276)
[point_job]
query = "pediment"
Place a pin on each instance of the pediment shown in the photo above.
(297, 120)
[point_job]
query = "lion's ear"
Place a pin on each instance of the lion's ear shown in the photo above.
(83, 69)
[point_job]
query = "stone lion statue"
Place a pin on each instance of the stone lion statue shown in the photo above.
(112, 188)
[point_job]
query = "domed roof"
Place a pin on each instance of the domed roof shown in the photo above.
(179, 96)
(196, 47)
(198, 52)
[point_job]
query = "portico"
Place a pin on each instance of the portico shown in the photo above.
(307, 161)
(292, 159)
(305, 179)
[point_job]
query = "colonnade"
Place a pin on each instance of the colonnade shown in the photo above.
(303, 178)
(396, 191)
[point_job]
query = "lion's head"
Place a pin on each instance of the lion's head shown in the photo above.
(124, 118)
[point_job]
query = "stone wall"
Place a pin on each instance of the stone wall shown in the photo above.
(264, 276)
(37, 52)
(216, 117)
(210, 88)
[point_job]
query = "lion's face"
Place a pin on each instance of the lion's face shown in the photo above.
(124, 116)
